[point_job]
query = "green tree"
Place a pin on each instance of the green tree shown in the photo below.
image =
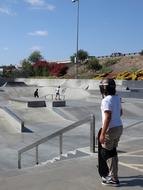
(35, 56)
(141, 53)
(36, 71)
(72, 58)
(93, 64)
(45, 71)
(82, 56)
(27, 67)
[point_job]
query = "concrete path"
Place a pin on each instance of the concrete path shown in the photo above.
(76, 174)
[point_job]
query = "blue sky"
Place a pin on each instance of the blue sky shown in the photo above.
(49, 26)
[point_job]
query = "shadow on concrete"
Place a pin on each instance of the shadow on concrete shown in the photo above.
(131, 181)
(26, 130)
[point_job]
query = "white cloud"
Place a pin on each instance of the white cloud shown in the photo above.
(35, 2)
(5, 48)
(38, 33)
(40, 4)
(36, 48)
(6, 11)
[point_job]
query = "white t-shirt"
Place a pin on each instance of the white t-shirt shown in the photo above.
(113, 104)
(57, 90)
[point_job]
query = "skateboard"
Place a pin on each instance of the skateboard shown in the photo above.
(102, 165)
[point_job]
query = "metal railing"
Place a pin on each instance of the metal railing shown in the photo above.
(59, 133)
(46, 96)
(52, 96)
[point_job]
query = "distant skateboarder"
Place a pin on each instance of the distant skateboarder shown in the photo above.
(36, 94)
(57, 93)
(110, 133)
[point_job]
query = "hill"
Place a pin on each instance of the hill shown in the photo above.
(121, 67)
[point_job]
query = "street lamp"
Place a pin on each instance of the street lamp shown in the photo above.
(77, 37)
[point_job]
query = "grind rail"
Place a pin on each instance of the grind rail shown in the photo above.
(59, 133)
(62, 97)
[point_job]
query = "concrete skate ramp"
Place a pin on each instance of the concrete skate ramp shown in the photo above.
(19, 91)
(71, 89)
(45, 92)
(45, 121)
(8, 122)
(70, 83)
(67, 92)
(39, 120)
(14, 83)
(133, 84)
(79, 83)
(2, 81)
(28, 102)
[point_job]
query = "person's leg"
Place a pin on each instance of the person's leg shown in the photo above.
(113, 167)
(56, 97)
(111, 142)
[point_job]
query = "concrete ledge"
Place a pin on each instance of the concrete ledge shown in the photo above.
(41, 103)
(29, 102)
(13, 119)
(32, 102)
(59, 103)
(15, 122)
(18, 103)
(134, 90)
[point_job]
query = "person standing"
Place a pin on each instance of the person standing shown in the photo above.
(112, 128)
(36, 94)
(57, 93)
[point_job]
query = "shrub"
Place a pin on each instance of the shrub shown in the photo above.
(41, 68)
(106, 69)
(110, 62)
(58, 69)
(93, 64)
(141, 53)
(44, 68)
(132, 69)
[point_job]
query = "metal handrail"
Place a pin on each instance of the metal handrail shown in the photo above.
(90, 118)
(52, 96)
(49, 95)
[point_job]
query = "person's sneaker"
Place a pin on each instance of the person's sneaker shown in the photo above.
(110, 182)
(104, 179)
(107, 178)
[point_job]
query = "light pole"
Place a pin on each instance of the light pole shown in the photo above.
(77, 37)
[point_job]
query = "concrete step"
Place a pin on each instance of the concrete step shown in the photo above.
(70, 155)
(75, 174)
(58, 176)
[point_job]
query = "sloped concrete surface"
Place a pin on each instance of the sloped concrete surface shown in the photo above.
(78, 173)
(81, 173)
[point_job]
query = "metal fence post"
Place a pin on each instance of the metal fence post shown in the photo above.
(61, 144)
(92, 134)
(37, 157)
(19, 160)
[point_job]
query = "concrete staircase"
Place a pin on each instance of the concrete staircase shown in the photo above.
(74, 174)
(78, 153)
(71, 174)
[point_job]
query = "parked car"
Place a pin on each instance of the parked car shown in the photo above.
(116, 54)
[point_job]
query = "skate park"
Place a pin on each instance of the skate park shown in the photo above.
(23, 124)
